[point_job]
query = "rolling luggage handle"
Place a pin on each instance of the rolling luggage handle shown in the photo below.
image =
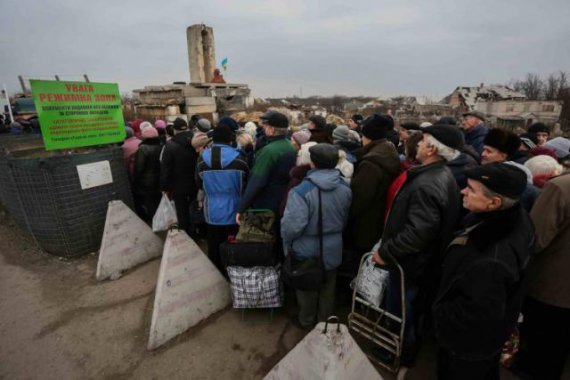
(333, 317)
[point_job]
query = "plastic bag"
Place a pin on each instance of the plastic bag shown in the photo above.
(371, 281)
(165, 215)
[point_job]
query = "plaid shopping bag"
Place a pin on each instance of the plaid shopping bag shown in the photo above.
(256, 287)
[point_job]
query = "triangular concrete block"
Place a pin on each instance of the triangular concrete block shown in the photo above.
(127, 242)
(330, 355)
(189, 289)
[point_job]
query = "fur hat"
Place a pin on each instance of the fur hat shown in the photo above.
(504, 141)
(149, 132)
(376, 127)
(145, 124)
(301, 137)
(303, 156)
(278, 120)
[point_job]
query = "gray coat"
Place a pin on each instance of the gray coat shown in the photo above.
(299, 225)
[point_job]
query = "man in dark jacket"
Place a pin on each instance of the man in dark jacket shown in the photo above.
(221, 173)
(475, 130)
(481, 289)
(419, 226)
(318, 129)
(177, 172)
(269, 176)
(378, 166)
(146, 180)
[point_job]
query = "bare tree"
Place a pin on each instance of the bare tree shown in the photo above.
(551, 88)
(532, 86)
(563, 87)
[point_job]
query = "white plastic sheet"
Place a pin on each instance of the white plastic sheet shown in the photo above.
(371, 281)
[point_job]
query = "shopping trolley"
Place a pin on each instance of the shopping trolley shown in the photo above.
(381, 328)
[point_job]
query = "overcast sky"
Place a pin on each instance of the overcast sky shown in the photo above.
(377, 48)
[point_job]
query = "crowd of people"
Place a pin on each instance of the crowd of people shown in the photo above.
(478, 218)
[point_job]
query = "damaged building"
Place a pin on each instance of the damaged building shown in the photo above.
(503, 106)
(204, 95)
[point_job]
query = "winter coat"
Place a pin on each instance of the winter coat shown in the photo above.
(179, 165)
(221, 172)
(482, 284)
(268, 179)
(299, 225)
(458, 167)
(548, 270)
(320, 135)
(421, 222)
(373, 174)
(476, 136)
(147, 167)
(348, 147)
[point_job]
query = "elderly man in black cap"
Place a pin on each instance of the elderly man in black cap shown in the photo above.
(177, 169)
(268, 179)
(475, 129)
(418, 227)
(449, 142)
(323, 188)
(481, 289)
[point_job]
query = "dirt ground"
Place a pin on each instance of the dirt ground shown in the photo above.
(58, 322)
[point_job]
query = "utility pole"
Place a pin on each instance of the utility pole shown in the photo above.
(9, 105)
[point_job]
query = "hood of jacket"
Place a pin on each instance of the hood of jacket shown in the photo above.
(228, 154)
(326, 179)
(383, 154)
(461, 161)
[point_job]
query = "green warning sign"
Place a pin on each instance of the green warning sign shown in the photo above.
(77, 114)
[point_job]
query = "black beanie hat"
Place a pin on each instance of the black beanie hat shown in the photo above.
(448, 135)
(324, 156)
(357, 118)
(223, 134)
(538, 127)
(410, 126)
(180, 124)
(505, 141)
(226, 120)
(503, 179)
(376, 127)
(319, 121)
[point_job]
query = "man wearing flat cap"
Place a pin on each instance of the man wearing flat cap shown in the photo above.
(475, 129)
(268, 179)
(417, 230)
(481, 289)
(300, 228)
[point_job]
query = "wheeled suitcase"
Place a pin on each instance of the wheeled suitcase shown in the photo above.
(248, 254)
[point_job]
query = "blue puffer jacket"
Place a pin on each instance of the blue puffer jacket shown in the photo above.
(476, 136)
(299, 225)
(221, 173)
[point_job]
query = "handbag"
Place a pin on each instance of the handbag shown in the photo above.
(306, 274)
(256, 287)
(165, 215)
(257, 225)
(247, 254)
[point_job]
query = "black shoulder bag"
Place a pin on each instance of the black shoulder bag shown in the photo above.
(308, 274)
